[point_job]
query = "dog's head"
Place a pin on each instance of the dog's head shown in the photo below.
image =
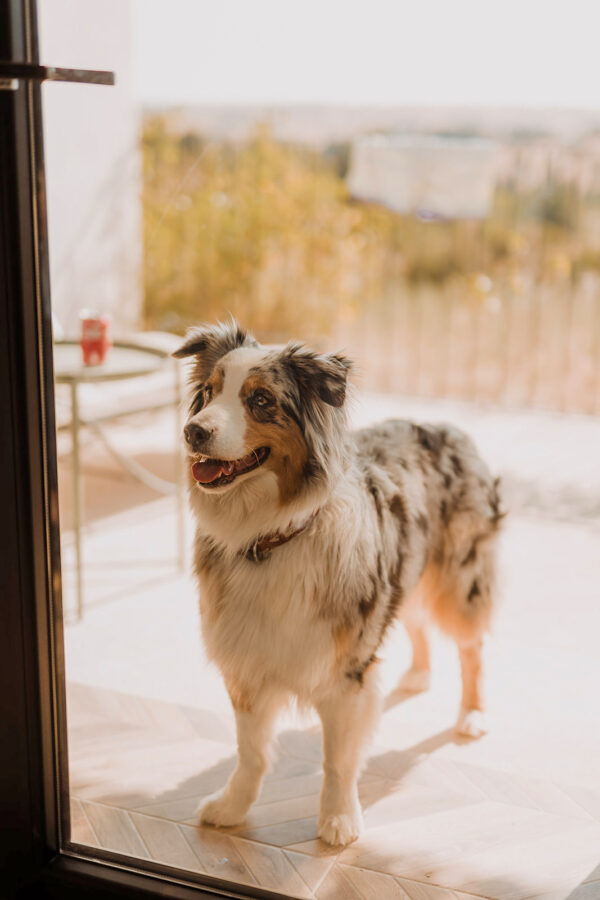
(257, 409)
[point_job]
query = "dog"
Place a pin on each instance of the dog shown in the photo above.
(311, 540)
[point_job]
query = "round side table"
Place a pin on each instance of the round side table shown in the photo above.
(125, 360)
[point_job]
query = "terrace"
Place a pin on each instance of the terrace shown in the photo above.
(511, 816)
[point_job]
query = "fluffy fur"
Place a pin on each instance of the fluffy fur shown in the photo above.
(398, 519)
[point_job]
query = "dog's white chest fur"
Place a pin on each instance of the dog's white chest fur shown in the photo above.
(267, 626)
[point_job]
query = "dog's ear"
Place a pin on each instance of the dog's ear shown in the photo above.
(318, 376)
(208, 343)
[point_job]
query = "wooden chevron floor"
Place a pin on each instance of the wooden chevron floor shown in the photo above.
(513, 816)
(437, 826)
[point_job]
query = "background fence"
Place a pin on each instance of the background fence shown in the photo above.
(539, 348)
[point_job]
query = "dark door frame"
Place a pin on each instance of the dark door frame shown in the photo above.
(36, 859)
(32, 690)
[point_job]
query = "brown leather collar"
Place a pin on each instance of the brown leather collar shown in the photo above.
(262, 546)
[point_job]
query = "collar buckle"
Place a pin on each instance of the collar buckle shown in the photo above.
(262, 547)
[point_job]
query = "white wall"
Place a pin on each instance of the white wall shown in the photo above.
(92, 164)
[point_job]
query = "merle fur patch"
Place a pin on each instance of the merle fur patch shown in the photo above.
(358, 669)
(474, 591)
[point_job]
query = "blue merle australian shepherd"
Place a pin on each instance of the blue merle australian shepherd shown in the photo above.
(311, 540)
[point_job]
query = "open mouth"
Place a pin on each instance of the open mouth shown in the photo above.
(217, 472)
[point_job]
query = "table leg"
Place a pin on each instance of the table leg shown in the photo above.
(179, 486)
(77, 496)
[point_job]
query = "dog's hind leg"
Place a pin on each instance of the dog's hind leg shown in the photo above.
(418, 677)
(460, 597)
(254, 727)
(349, 716)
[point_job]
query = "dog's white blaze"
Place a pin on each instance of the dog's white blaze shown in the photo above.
(225, 414)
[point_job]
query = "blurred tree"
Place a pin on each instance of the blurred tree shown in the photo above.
(268, 232)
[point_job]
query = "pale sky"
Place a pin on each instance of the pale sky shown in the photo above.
(438, 52)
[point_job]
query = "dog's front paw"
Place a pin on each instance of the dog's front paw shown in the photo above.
(340, 829)
(221, 810)
(471, 723)
(415, 680)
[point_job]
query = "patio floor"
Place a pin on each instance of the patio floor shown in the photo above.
(511, 816)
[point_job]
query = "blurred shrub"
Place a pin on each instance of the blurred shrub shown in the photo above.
(261, 230)
(587, 261)
(268, 232)
(556, 203)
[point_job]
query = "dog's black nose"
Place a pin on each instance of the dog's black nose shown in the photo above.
(196, 436)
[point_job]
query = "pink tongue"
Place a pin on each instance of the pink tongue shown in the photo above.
(208, 471)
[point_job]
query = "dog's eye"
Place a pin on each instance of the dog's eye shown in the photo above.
(261, 399)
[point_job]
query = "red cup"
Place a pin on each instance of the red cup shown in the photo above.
(95, 337)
